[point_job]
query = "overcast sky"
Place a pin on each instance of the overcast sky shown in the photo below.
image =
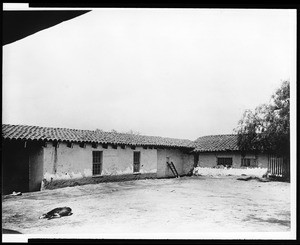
(180, 73)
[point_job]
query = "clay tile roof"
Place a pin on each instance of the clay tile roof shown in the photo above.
(24, 132)
(226, 142)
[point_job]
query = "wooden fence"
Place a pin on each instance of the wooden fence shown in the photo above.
(279, 166)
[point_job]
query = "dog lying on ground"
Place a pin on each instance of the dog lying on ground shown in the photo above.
(57, 213)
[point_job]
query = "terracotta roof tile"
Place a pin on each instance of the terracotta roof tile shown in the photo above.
(226, 142)
(24, 132)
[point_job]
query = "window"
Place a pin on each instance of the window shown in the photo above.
(97, 162)
(247, 162)
(225, 161)
(136, 161)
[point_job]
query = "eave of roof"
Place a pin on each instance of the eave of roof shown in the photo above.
(36, 133)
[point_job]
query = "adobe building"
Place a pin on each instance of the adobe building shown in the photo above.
(214, 150)
(41, 157)
(36, 158)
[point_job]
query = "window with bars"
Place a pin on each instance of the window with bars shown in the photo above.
(97, 162)
(247, 162)
(225, 161)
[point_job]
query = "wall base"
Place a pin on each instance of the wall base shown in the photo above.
(50, 185)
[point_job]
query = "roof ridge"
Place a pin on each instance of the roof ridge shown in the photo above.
(156, 136)
(216, 135)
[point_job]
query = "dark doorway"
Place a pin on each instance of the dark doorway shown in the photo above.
(15, 167)
(196, 159)
(136, 161)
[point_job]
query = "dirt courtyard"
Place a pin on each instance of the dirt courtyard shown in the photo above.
(185, 205)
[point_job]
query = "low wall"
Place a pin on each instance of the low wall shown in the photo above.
(259, 172)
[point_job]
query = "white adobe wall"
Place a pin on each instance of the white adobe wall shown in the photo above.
(210, 159)
(77, 162)
(188, 163)
(182, 162)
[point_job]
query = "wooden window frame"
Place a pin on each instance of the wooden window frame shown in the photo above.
(135, 162)
(251, 162)
(224, 161)
(97, 162)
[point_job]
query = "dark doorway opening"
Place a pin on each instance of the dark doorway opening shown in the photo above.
(15, 167)
(136, 161)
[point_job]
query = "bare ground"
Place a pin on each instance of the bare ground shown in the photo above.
(185, 205)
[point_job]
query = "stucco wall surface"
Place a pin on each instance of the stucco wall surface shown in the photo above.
(64, 162)
(182, 162)
(210, 159)
(188, 163)
(36, 155)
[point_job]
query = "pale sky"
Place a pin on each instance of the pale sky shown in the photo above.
(179, 73)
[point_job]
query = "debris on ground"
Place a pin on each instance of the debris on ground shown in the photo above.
(253, 178)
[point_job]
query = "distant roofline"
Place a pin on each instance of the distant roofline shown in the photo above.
(213, 135)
